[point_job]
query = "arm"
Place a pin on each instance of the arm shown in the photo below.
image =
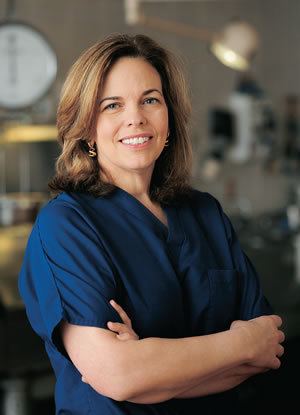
(214, 384)
(222, 382)
(145, 370)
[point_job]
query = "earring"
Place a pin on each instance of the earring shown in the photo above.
(167, 140)
(92, 150)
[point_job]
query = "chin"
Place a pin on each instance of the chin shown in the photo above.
(138, 164)
(138, 168)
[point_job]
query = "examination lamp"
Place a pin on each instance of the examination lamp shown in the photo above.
(235, 45)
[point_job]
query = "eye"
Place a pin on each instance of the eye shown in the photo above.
(112, 106)
(151, 100)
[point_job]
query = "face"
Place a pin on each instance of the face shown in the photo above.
(132, 124)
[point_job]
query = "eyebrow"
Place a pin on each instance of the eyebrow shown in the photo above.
(148, 91)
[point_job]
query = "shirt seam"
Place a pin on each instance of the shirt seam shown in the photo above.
(85, 321)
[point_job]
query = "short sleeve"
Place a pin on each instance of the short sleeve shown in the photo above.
(253, 303)
(66, 273)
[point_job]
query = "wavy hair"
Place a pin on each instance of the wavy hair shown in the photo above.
(77, 114)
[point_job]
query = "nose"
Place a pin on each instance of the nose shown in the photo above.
(135, 116)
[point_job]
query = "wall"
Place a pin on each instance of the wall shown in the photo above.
(73, 25)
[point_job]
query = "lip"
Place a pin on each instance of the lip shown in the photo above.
(137, 135)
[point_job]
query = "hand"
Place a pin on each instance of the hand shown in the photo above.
(124, 330)
(263, 338)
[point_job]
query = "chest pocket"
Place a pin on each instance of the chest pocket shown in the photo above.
(224, 302)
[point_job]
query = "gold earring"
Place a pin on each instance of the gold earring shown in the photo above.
(92, 150)
(167, 140)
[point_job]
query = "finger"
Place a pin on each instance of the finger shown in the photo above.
(121, 312)
(128, 336)
(124, 336)
(280, 351)
(118, 327)
(277, 364)
(281, 336)
(277, 320)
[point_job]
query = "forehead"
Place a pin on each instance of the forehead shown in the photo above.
(131, 74)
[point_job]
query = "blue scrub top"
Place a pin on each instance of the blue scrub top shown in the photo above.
(188, 279)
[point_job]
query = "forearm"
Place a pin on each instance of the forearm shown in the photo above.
(221, 382)
(166, 367)
(214, 384)
(211, 384)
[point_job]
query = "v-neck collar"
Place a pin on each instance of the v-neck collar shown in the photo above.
(132, 205)
(173, 232)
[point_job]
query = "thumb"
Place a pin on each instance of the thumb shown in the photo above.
(124, 336)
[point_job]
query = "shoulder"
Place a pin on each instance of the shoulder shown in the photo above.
(206, 206)
(65, 205)
(61, 207)
(204, 201)
(64, 212)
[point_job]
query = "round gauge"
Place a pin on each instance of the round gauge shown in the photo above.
(28, 65)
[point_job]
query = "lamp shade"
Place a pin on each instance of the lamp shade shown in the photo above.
(236, 45)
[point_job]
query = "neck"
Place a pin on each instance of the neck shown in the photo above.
(136, 183)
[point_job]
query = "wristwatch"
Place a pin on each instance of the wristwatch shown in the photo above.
(28, 65)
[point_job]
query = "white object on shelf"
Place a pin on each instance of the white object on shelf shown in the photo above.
(293, 216)
(241, 106)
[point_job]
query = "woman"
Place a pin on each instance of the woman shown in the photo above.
(189, 320)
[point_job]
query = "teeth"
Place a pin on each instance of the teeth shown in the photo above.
(135, 140)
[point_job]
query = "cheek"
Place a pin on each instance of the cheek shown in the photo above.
(165, 117)
(161, 120)
(105, 131)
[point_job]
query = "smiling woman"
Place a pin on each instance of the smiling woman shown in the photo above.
(132, 128)
(189, 323)
(123, 88)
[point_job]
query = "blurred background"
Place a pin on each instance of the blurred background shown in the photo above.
(242, 62)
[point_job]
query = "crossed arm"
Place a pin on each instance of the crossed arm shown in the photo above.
(155, 369)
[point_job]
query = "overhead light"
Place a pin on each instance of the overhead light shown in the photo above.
(235, 45)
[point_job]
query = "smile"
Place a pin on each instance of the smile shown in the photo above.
(136, 141)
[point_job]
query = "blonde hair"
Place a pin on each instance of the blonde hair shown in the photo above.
(77, 115)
